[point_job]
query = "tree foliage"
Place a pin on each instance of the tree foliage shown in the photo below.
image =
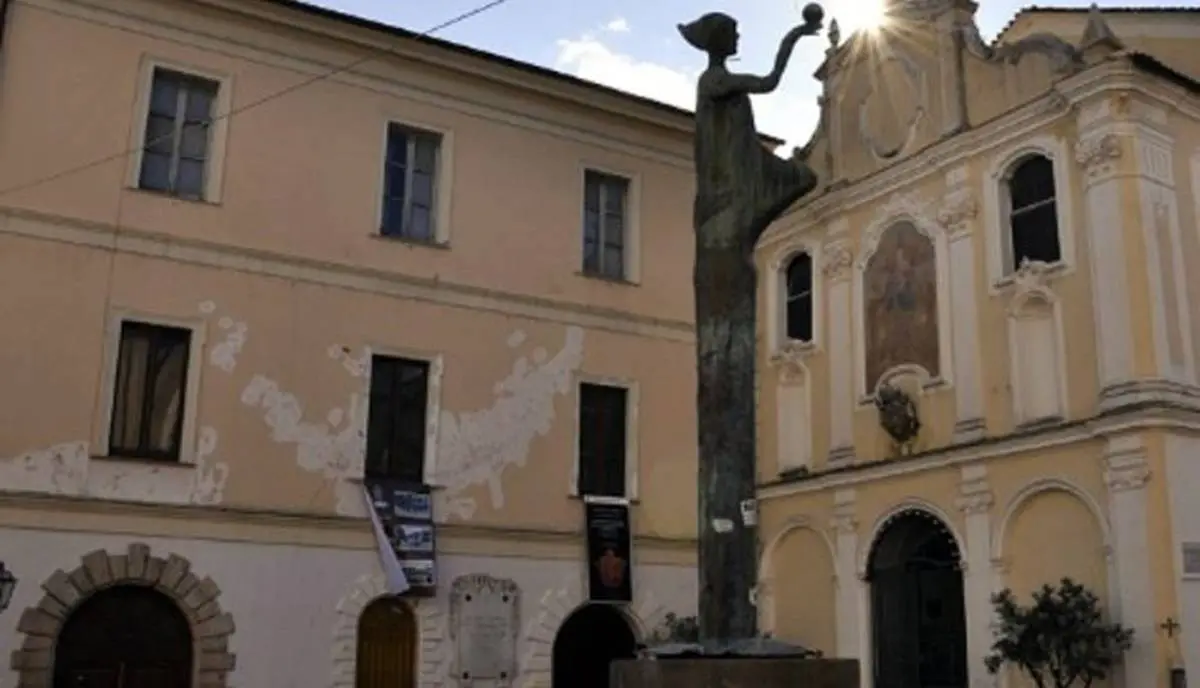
(1060, 640)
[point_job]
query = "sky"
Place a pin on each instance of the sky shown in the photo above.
(633, 45)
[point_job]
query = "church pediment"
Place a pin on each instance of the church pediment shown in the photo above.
(926, 74)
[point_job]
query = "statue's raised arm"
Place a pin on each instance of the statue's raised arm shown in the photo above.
(722, 82)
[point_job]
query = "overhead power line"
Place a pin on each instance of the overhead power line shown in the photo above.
(248, 106)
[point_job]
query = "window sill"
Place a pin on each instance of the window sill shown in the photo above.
(1031, 272)
(615, 281)
(412, 243)
(169, 464)
(167, 195)
(794, 350)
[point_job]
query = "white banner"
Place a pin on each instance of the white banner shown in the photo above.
(393, 572)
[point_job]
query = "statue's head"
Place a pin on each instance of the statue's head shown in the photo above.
(715, 33)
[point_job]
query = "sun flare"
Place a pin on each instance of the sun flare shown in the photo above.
(859, 15)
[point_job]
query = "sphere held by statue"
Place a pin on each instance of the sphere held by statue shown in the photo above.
(813, 13)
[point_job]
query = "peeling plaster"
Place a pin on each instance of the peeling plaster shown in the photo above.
(67, 469)
(471, 447)
(474, 447)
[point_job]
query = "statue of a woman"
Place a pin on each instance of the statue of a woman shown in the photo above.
(741, 188)
(734, 169)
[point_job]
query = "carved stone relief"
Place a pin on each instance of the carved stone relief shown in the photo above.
(836, 261)
(900, 318)
(1098, 155)
(891, 113)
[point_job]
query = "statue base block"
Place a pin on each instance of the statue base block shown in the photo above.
(726, 671)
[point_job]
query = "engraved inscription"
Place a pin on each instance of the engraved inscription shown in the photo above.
(484, 626)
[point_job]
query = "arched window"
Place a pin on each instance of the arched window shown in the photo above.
(800, 298)
(387, 645)
(1032, 213)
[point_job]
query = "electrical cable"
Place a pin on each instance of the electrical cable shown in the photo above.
(248, 106)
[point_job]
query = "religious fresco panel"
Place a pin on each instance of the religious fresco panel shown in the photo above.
(900, 303)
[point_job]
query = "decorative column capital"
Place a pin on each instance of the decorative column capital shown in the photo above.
(836, 261)
(959, 209)
(1098, 154)
(975, 493)
(1125, 464)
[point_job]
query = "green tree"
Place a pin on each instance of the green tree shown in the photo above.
(1060, 640)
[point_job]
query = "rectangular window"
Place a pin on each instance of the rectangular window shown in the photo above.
(176, 149)
(603, 423)
(605, 218)
(149, 392)
(396, 422)
(410, 179)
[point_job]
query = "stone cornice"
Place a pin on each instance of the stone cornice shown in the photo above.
(33, 224)
(1118, 421)
(297, 52)
(330, 530)
(465, 61)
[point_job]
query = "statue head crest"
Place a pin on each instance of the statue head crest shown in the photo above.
(710, 33)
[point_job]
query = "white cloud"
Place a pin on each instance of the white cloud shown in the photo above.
(618, 25)
(788, 115)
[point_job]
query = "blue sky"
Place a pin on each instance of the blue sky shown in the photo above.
(633, 44)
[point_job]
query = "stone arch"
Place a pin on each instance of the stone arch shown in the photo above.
(1008, 564)
(765, 599)
(554, 607)
(196, 597)
(909, 504)
(1036, 487)
(766, 565)
(432, 655)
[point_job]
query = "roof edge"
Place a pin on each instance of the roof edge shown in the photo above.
(532, 78)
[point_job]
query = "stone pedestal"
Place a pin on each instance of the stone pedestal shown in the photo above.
(734, 672)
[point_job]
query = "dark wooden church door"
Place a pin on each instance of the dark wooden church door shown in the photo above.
(124, 637)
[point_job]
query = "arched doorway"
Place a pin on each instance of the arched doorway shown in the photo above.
(387, 645)
(587, 642)
(918, 621)
(127, 636)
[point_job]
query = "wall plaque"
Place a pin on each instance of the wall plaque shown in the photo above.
(609, 552)
(484, 622)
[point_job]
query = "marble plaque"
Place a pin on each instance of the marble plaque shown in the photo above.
(484, 623)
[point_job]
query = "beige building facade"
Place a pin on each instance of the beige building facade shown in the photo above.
(1004, 250)
(255, 254)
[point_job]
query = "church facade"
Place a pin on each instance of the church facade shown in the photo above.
(980, 341)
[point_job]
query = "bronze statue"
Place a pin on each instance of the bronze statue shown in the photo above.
(741, 188)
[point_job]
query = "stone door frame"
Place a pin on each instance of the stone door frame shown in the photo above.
(196, 597)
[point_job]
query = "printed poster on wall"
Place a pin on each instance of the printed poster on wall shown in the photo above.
(406, 513)
(609, 550)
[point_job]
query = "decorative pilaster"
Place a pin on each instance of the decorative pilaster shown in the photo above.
(849, 612)
(1098, 153)
(835, 264)
(975, 502)
(1126, 474)
(1169, 299)
(957, 217)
